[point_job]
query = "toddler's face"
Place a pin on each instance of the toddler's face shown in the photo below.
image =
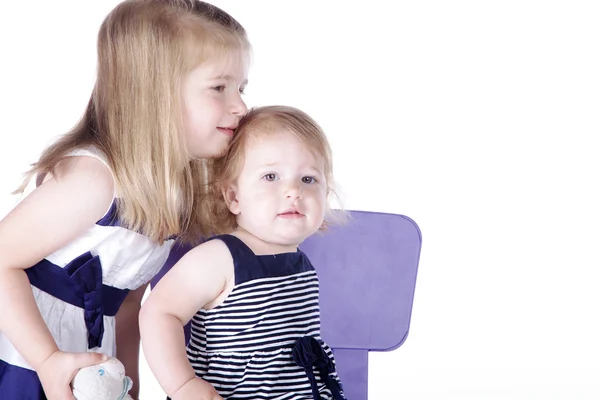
(281, 190)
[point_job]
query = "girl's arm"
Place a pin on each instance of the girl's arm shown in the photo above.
(128, 336)
(55, 213)
(195, 281)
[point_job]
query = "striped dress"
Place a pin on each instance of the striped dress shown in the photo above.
(79, 289)
(263, 341)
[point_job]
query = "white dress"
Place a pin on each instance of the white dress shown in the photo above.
(78, 306)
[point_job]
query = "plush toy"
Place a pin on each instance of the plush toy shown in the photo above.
(106, 381)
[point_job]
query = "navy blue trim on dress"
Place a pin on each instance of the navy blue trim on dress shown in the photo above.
(248, 266)
(112, 216)
(17, 383)
(309, 354)
(79, 283)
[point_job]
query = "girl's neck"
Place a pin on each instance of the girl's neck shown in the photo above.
(260, 246)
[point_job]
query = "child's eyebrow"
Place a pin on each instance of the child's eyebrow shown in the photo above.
(317, 170)
(228, 78)
(276, 163)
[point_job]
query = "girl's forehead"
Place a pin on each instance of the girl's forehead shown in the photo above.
(222, 68)
(233, 61)
(271, 139)
(238, 59)
(280, 148)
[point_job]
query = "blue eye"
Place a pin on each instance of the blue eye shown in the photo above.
(101, 371)
(309, 179)
(270, 177)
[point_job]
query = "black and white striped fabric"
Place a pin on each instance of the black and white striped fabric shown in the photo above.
(243, 347)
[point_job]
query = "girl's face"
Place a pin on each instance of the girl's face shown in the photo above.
(280, 195)
(213, 106)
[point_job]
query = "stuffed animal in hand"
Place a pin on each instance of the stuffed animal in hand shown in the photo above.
(106, 381)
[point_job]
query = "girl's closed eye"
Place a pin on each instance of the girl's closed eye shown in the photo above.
(219, 88)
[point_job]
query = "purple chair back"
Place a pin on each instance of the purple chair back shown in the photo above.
(367, 271)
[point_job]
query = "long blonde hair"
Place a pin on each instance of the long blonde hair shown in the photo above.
(135, 114)
(264, 121)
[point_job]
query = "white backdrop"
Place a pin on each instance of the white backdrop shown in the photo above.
(475, 118)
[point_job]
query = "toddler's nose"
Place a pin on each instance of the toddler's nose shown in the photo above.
(294, 192)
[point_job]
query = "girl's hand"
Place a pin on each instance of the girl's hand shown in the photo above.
(58, 370)
(196, 389)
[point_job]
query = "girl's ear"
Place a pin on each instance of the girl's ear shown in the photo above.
(230, 195)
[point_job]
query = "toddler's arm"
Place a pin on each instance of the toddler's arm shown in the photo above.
(197, 279)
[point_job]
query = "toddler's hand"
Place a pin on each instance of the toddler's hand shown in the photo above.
(57, 372)
(196, 389)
